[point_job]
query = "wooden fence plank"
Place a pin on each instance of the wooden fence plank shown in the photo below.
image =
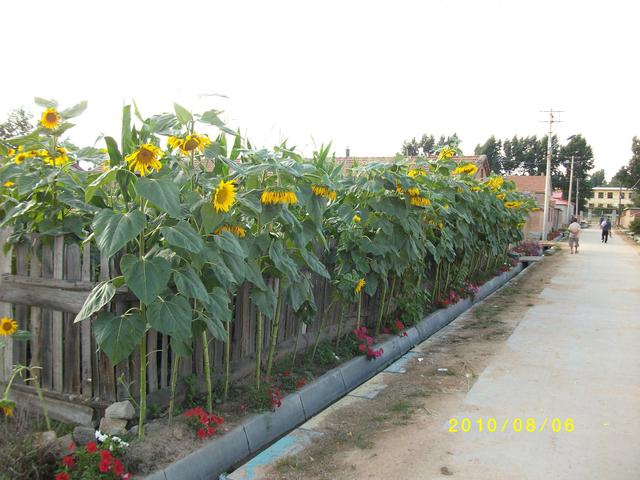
(47, 358)
(71, 332)
(6, 354)
(56, 318)
(164, 365)
(85, 329)
(106, 385)
(152, 367)
(35, 315)
(21, 312)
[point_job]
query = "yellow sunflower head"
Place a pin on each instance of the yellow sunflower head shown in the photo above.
(475, 189)
(224, 196)
(145, 159)
(7, 407)
(356, 219)
(50, 118)
(58, 159)
(494, 183)
(416, 172)
(274, 197)
(21, 157)
(469, 169)
(420, 201)
(8, 326)
(236, 230)
(512, 204)
(446, 152)
(190, 144)
(361, 283)
(8, 184)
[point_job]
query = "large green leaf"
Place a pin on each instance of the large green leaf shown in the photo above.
(298, 293)
(183, 235)
(228, 242)
(146, 278)
(118, 336)
(104, 179)
(265, 300)
(171, 316)
(113, 229)
(210, 218)
(254, 275)
(214, 326)
(282, 260)
(115, 157)
(314, 263)
(161, 192)
(190, 285)
(218, 304)
(100, 296)
(74, 111)
(184, 116)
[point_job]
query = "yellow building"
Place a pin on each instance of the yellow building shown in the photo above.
(605, 200)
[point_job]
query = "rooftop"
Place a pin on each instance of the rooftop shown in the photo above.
(528, 183)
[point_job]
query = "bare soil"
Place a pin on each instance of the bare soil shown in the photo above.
(357, 434)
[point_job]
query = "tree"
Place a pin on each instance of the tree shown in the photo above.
(427, 144)
(598, 178)
(18, 123)
(583, 163)
(629, 175)
(492, 148)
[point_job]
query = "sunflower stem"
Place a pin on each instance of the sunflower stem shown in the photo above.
(259, 342)
(227, 360)
(322, 322)
(381, 313)
(207, 369)
(274, 330)
(359, 309)
(174, 382)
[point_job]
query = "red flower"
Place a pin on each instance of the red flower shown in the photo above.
(118, 468)
(204, 419)
(105, 455)
(69, 461)
(91, 447)
(404, 334)
(211, 431)
(202, 433)
(104, 465)
(126, 476)
(362, 347)
(300, 383)
(369, 341)
(286, 373)
(72, 447)
(63, 476)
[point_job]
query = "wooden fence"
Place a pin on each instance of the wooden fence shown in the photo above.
(43, 284)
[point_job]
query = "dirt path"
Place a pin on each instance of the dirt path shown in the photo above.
(379, 438)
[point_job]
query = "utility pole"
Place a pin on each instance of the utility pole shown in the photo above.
(570, 185)
(577, 195)
(547, 186)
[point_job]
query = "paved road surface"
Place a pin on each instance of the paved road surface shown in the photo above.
(576, 354)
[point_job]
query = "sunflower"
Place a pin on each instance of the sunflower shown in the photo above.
(512, 204)
(11, 152)
(8, 326)
(145, 159)
(190, 143)
(361, 283)
(420, 201)
(475, 189)
(236, 230)
(50, 118)
(469, 169)
(520, 225)
(494, 183)
(56, 160)
(270, 197)
(224, 196)
(21, 157)
(323, 191)
(356, 219)
(446, 152)
(7, 407)
(416, 172)
(501, 196)
(8, 184)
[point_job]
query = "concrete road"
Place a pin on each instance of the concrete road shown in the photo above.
(575, 355)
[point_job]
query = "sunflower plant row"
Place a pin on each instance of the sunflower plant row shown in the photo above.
(191, 217)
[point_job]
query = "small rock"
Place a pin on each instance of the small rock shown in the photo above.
(122, 410)
(445, 471)
(44, 439)
(113, 426)
(62, 445)
(83, 435)
(134, 430)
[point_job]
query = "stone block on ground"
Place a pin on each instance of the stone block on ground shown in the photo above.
(113, 426)
(122, 410)
(83, 435)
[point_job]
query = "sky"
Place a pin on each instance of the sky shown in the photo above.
(362, 74)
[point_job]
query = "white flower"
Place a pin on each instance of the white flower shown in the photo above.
(101, 437)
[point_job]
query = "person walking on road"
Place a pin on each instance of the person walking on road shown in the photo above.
(574, 235)
(606, 230)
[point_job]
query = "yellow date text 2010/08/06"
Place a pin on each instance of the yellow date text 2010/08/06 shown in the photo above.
(517, 425)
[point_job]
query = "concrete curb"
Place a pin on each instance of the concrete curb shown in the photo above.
(259, 431)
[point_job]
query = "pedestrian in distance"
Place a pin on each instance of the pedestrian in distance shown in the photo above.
(574, 235)
(606, 230)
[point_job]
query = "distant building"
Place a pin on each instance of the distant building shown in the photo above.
(479, 161)
(534, 185)
(628, 215)
(605, 201)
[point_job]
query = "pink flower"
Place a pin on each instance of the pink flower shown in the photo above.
(362, 347)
